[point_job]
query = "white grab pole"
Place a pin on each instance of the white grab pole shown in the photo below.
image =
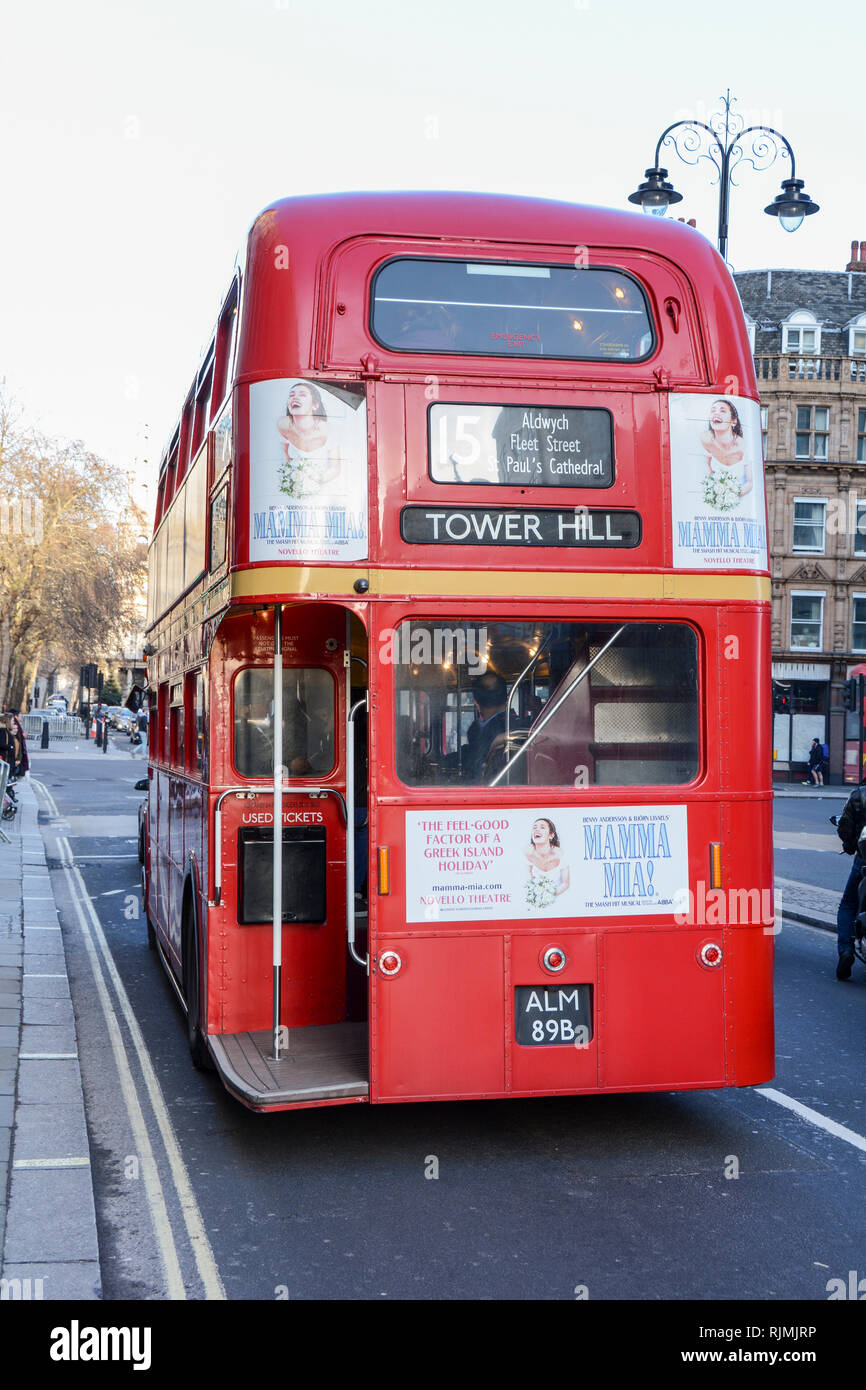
(278, 824)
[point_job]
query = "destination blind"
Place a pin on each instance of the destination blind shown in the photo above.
(519, 526)
(521, 445)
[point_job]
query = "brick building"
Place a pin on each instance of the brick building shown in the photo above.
(808, 331)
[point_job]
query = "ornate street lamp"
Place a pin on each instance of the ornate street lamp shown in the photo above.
(694, 140)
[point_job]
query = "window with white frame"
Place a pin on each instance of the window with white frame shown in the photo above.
(858, 623)
(812, 437)
(807, 621)
(857, 337)
(860, 529)
(750, 325)
(765, 429)
(801, 333)
(809, 519)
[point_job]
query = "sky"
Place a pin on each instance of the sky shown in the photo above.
(139, 140)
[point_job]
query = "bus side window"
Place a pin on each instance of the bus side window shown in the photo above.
(195, 721)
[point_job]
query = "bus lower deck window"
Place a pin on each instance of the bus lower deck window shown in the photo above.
(546, 704)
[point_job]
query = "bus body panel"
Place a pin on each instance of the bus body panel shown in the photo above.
(749, 990)
(662, 1013)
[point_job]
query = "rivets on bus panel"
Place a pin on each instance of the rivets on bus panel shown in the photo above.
(710, 955)
(390, 963)
(554, 959)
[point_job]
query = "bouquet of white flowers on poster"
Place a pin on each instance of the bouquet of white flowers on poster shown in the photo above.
(308, 471)
(718, 510)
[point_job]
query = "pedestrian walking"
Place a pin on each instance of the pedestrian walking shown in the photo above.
(7, 742)
(22, 761)
(849, 828)
(816, 765)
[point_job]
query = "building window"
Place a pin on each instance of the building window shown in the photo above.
(861, 436)
(858, 626)
(807, 619)
(801, 333)
(809, 525)
(860, 530)
(765, 429)
(812, 436)
(857, 337)
(750, 326)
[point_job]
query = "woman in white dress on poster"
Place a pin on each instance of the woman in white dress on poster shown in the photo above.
(312, 461)
(549, 875)
(726, 482)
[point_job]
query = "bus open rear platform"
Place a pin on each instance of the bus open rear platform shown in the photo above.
(320, 1063)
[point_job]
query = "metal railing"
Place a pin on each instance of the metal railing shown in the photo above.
(66, 726)
(799, 367)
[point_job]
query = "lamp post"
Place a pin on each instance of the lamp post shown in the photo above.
(723, 144)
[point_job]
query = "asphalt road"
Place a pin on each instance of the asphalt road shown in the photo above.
(806, 844)
(624, 1196)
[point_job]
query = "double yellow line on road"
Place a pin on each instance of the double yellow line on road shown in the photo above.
(93, 934)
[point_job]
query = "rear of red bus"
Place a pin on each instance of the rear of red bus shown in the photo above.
(528, 588)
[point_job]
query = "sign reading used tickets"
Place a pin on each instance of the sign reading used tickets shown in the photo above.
(717, 483)
(308, 471)
(464, 865)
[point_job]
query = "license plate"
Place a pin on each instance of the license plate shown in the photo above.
(550, 1015)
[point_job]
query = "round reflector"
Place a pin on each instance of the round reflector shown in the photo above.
(390, 963)
(711, 954)
(553, 959)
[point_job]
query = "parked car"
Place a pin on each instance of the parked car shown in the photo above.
(49, 712)
(121, 718)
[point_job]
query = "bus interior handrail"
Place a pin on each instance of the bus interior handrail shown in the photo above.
(549, 713)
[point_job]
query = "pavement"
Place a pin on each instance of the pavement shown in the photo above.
(48, 1235)
(796, 791)
(48, 1231)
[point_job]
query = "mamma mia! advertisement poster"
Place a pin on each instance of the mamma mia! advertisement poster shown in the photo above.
(466, 865)
(717, 483)
(308, 471)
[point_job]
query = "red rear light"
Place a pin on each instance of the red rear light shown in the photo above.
(553, 959)
(390, 963)
(710, 955)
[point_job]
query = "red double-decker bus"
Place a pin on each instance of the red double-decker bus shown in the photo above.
(459, 577)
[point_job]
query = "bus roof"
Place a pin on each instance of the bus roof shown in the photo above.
(488, 217)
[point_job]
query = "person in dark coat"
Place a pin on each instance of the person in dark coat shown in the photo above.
(816, 765)
(849, 827)
(491, 696)
(22, 761)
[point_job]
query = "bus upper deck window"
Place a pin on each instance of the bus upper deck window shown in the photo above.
(501, 309)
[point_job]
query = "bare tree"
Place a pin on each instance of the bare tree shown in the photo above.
(71, 561)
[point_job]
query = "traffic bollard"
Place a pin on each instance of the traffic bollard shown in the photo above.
(45, 734)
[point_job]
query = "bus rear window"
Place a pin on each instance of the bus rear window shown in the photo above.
(510, 310)
(546, 704)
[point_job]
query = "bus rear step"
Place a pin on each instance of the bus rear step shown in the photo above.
(325, 1062)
